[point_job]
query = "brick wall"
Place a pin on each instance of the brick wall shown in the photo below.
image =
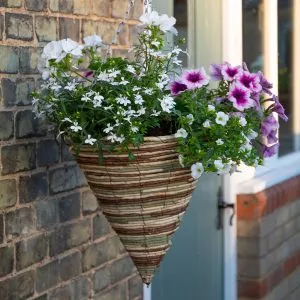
(54, 241)
(269, 243)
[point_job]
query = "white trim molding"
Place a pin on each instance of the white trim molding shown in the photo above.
(232, 51)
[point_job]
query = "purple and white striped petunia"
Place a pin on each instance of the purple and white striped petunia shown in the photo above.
(250, 80)
(278, 108)
(268, 125)
(177, 88)
(272, 137)
(270, 151)
(266, 85)
(195, 78)
(229, 72)
(215, 71)
(240, 97)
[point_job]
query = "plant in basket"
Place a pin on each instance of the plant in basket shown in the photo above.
(143, 130)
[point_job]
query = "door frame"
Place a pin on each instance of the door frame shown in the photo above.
(225, 25)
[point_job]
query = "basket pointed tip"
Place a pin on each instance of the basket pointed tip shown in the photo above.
(147, 280)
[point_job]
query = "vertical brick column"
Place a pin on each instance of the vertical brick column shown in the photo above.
(54, 241)
(269, 243)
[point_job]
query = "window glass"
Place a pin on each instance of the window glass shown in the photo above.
(285, 64)
(252, 34)
(181, 15)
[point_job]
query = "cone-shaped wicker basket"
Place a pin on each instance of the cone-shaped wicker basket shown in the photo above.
(144, 199)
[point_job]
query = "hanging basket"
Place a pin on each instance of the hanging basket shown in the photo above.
(144, 199)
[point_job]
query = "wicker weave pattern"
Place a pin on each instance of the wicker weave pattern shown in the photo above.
(144, 200)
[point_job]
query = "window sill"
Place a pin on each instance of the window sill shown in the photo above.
(278, 171)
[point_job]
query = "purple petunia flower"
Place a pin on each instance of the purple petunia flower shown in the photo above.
(268, 125)
(177, 88)
(266, 85)
(229, 72)
(215, 71)
(195, 78)
(278, 108)
(250, 80)
(270, 151)
(256, 98)
(272, 137)
(240, 97)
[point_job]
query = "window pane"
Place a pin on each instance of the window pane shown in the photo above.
(181, 15)
(285, 57)
(252, 34)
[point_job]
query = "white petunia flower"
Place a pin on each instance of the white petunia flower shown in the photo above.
(75, 127)
(243, 121)
(206, 124)
(221, 167)
(123, 101)
(164, 22)
(222, 118)
(52, 50)
(219, 142)
(197, 170)
(190, 118)
(167, 104)
(181, 133)
(211, 108)
(71, 47)
(90, 140)
(92, 41)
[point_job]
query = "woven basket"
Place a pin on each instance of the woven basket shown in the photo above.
(144, 200)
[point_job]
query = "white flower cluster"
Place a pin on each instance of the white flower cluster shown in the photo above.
(58, 50)
(164, 22)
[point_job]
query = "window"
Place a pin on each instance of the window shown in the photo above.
(262, 34)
